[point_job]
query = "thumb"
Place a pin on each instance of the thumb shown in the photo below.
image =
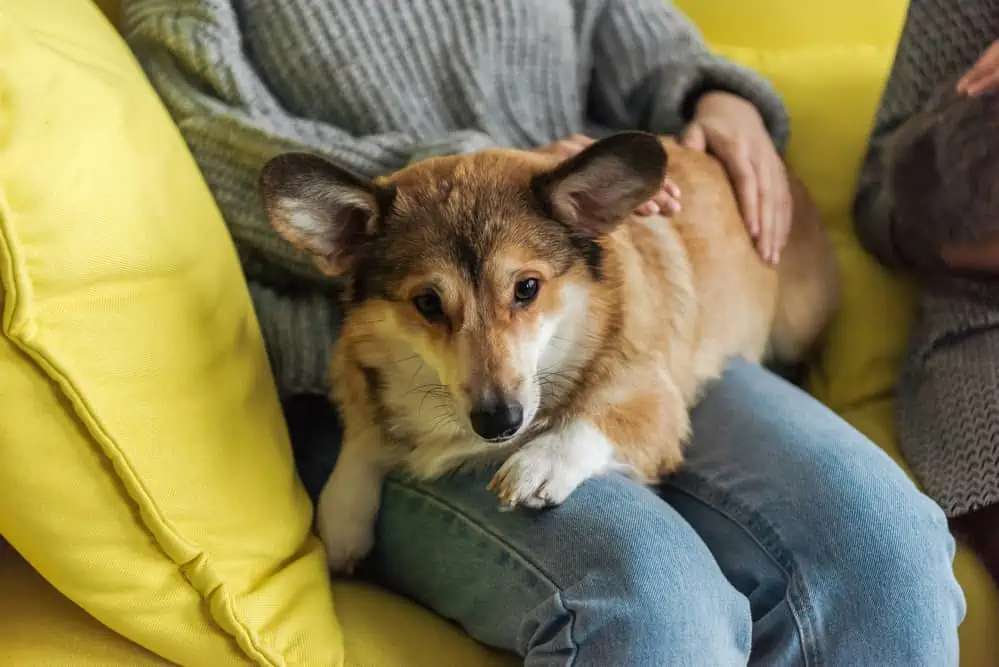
(693, 137)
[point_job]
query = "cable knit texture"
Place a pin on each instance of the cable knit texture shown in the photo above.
(930, 177)
(377, 84)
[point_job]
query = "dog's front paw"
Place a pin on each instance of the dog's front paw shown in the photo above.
(535, 477)
(345, 522)
(546, 471)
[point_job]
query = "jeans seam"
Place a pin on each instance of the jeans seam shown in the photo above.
(572, 627)
(422, 493)
(797, 595)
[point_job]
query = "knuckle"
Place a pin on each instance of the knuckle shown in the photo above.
(729, 143)
(742, 150)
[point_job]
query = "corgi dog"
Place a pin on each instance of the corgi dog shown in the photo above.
(508, 306)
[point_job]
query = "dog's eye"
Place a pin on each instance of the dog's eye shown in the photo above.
(526, 291)
(429, 305)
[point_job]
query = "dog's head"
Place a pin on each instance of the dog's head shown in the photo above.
(480, 265)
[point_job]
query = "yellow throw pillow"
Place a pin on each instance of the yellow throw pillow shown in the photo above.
(145, 469)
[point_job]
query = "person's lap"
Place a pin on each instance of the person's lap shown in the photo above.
(786, 539)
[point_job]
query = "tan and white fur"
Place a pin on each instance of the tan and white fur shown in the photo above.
(505, 306)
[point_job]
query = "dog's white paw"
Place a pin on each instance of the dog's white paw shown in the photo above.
(547, 470)
(345, 518)
(535, 477)
(347, 534)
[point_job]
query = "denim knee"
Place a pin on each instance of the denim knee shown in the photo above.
(643, 590)
(614, 576)
(894, 578)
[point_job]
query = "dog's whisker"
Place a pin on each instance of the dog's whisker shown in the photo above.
(417, 371)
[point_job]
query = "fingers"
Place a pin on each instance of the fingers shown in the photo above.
(987, 83)
(982, 256)
(777, 207)
(648, 208)
(787, 210)
(665, 202)
(783, 213)
(734, 154)
(767, 214)
(777, 227)
(671, 188)
(976, 78)
(668, 198)
(661, 204)
(568, 147)
(983, 75)
(694, 138)
(576, 144)
(762, 187)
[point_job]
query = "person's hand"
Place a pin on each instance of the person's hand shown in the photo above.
(983, 76)
(665, 202)
(731, 129)
(980, 257)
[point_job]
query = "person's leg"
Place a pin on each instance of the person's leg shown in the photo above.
(839, 560)
(945, 404)
(853, 563)
(611, 577)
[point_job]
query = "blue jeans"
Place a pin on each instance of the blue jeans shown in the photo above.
(787, 539)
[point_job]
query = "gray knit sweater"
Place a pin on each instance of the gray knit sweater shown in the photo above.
(948, 394)
(376, 84)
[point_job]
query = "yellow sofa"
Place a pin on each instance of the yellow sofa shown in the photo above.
(829, 60)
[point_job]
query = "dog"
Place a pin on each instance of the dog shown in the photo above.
(507, 306)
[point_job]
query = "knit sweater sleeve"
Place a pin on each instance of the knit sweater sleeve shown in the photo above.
(192, 52)
(938, 42)
(651, 64)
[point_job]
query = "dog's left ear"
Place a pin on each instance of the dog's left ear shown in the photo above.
(593, 191)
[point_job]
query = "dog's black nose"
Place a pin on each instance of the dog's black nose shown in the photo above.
(495, 421)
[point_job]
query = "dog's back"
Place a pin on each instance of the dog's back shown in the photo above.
(737, 305)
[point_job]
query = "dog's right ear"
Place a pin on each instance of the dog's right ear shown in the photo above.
(321, 208)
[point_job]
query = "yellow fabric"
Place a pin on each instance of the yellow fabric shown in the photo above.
(830, 61)
(41, 628)
(144, 464)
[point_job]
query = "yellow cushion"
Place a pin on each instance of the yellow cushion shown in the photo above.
(144, 465)
(41, 628)
(830, 61)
